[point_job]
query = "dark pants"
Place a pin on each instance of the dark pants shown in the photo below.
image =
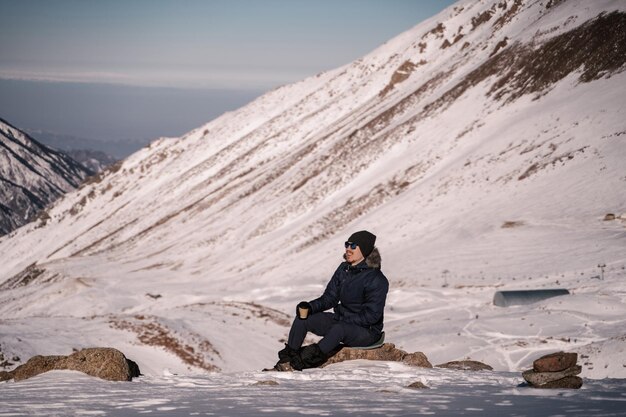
(334, 332)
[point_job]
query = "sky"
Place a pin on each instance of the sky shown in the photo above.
(241, 46)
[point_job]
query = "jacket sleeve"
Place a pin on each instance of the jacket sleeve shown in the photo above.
(330, 297)
(374, 303)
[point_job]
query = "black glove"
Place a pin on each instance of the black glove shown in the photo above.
(303, 305)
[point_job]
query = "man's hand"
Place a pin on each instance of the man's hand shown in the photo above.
(303, 310)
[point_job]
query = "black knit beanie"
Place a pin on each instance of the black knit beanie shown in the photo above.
(365, 240)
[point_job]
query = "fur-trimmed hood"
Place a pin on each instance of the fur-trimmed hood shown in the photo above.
(374, 260)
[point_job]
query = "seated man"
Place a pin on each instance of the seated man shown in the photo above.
(357, 292)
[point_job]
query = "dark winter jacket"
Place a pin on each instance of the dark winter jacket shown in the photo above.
(357, 293)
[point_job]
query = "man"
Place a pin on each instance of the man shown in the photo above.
(357, 292)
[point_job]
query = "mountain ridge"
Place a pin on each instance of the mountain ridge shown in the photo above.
(464, 187)
(33, 176)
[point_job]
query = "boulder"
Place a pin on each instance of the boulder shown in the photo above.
(541, 378)
(35, 366)
(387, 352)
(106, 363)
(466, 365)
(417, 385)
(555, 362)
(571, 382)
(5, 376)
(556, 370)
(417, 359)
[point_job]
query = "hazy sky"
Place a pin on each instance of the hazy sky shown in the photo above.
(196, 43)
(116, 70)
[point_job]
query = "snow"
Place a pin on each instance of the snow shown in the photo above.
(345, 389)
(214, 237)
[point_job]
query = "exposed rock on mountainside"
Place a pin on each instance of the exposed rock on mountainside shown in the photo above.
(94, 161)
(152, 333)
(31, 177)
(597, 48)
(25, 277)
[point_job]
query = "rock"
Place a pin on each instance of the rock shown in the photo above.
(387, 352)
(417, 385)
(609, 217)
(466, 366)
(556, 370)
(5, 376)
(35, 366)
(268, 382)
(555, 362)
(540, 378)
(417, 359)
(105, 363)
(572, 382)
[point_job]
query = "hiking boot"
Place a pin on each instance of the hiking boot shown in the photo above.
(283, 367)
(285, 357)
(286, 354)
(312, 356)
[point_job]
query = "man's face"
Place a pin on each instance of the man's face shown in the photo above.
(353, 255)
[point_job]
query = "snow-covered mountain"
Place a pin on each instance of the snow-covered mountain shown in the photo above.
(95, 161)
(32, 176)
(94, 154)
(484, 147)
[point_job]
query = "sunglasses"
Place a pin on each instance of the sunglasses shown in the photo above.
(351, 245)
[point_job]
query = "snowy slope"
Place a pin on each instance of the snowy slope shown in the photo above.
(31, 177)
(484, 147)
